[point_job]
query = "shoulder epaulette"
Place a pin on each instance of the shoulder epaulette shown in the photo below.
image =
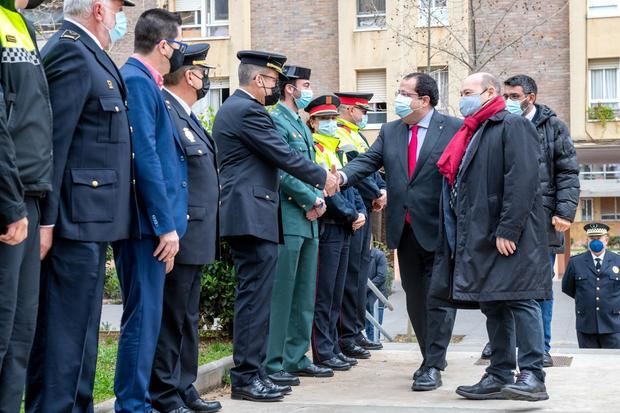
(70, 34)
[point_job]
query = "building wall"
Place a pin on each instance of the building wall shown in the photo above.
(124, 48)
(304, 31)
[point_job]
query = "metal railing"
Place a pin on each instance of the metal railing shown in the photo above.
(373, 317)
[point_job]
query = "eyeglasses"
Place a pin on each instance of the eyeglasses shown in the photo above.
(275, 79)
(182, 46)
(514, 96)
(403, 93)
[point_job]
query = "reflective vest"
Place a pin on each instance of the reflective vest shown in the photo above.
(350, 138)
(328, 152)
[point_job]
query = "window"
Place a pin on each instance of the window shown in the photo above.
(438, 10)
(47, 18)
(603, 8)
(605, 85)
(586, 209)
(610, 209)
(590, 172)
(374, 81)
(441, 77)
(203, 18)
(218, 93)
(370, 14)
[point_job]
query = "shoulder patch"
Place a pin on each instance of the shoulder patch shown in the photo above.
(70, 34)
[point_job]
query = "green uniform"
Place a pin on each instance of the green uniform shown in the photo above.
(292, 303)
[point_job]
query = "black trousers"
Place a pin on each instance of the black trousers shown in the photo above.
(61, 373)
(611, 340)
(176, 359)
(432, 325)
(332, 271)
(353, 312)
(19, 298)
(255, 263)
(527, 328)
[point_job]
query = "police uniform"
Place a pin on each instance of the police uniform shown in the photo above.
(335, 236)
(176, 359)
(353, 314)
(294, 284)
(594, 282)
(92, 204)
(251, 154)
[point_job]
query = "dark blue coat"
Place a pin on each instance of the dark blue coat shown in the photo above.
(199, 244)
(92, 198)
(161, 169)
(584, 284)
(250, 153)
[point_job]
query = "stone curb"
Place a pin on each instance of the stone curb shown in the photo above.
(210, 376)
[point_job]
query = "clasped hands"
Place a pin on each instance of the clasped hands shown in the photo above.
(317, 210)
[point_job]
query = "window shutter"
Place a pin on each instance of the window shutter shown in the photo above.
(188, 5)
(219, 82)
(373, 81)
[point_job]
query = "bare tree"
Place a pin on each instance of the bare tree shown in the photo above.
(46, 18)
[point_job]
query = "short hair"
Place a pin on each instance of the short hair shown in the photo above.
(489, 80)
(425, 85)
(247, 72)
(153, 26)
(527, 83)
(174, 78)
(79, 8)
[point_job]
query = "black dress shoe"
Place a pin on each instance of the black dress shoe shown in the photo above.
(282, 378)
(488, 388)
(256, 391)
(182, 409)
(200, 405)
(368, 345)
(527, 388)
(356, 352)
(547, 360)
(276, 388)
(418, 372)
(486, 352)
(350, 360)
(315, 371)
(430, 379)
(335, 364)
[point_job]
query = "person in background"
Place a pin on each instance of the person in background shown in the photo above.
(592, 278)
(377, 273)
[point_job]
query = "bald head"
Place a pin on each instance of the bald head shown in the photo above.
(479, 82)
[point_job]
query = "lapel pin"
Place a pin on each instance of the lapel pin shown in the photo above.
(110, 84)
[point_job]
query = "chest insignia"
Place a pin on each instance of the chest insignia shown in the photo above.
(11, 39)
(615, 269)
(189, 135)
(110, 84)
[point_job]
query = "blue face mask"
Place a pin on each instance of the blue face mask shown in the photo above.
(328, 127)
(596, 245)
(402, 106)
(514, 106)
(304, 100)
(362, 123)
(469, 105)
(120, 27)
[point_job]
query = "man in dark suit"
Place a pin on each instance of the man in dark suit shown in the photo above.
(176, 360)
(250, 153)
(408, 149)
(91, 205)
(593, 280)
(161, 182)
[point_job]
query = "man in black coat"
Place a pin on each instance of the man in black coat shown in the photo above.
(412, 214)
(250, 152)
(90, 206)
(493, 236)
(176, 359)
(593, 280)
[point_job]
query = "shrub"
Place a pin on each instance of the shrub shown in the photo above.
(111, 285)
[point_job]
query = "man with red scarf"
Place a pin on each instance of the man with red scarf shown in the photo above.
(493, 230)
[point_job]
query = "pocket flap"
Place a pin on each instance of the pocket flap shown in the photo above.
(94, 177)
(264, 193)
(615, 277)
(195, 150)
(112, 104)
(196, 213)
(579, 278)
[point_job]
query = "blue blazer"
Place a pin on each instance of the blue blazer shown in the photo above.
(160, 165)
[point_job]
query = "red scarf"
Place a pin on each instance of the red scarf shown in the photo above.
(453, 154)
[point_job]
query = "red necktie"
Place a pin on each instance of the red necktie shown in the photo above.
(413, 149)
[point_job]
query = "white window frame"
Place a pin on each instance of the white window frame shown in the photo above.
(443, 105)
(377, 15)
(585, 204)
(376, 99)
(217, 84)
(606, 173)
(439, 14)
(616, 215)
(207, 22)
(603, 8)
(603, 66)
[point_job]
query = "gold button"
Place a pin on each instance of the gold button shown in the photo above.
(95, 184)
(116, 109)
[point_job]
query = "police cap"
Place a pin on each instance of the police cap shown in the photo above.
(271, 60)
(296, 72)
(596, 229)
(196, 55)
(326, 105)
(355, 99)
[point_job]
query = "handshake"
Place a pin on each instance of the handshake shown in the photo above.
(332, 182)
(317, 210)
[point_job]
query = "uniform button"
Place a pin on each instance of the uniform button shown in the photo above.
(220, 203)
(133, 181)
(125, 103)
(598, 288)
(183, 184)
(199, 151)
(182, 158)
(597, 309)
(116, 109)
(188, 217)
(131, 129)
(133, 155)
(317, 185)
(94, 184)
(267, 197)
(303, 206)
(290, 198)
(220, 187)
(598, 298)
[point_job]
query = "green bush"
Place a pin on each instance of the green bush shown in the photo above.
(601, 113)
(217, 295)
(111, 285)
(614, 242)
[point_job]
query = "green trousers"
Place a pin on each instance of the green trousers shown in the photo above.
(292, 305)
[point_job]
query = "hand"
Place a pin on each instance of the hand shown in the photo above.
(317, 210)
(332, 181)
(560, 224)
(505, 247)
(380, 203)
(15, 232)
(47, 237)
(359, 222)
(312, 214)
(169, 265)
(168, 246)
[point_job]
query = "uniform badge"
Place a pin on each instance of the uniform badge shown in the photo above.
(615, 269)
(110, 84)
(189, 135)
(10, 38)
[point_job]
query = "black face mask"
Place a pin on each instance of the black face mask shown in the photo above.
(206, 85)
(274, 97)
(176, 60)
(34, 3)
